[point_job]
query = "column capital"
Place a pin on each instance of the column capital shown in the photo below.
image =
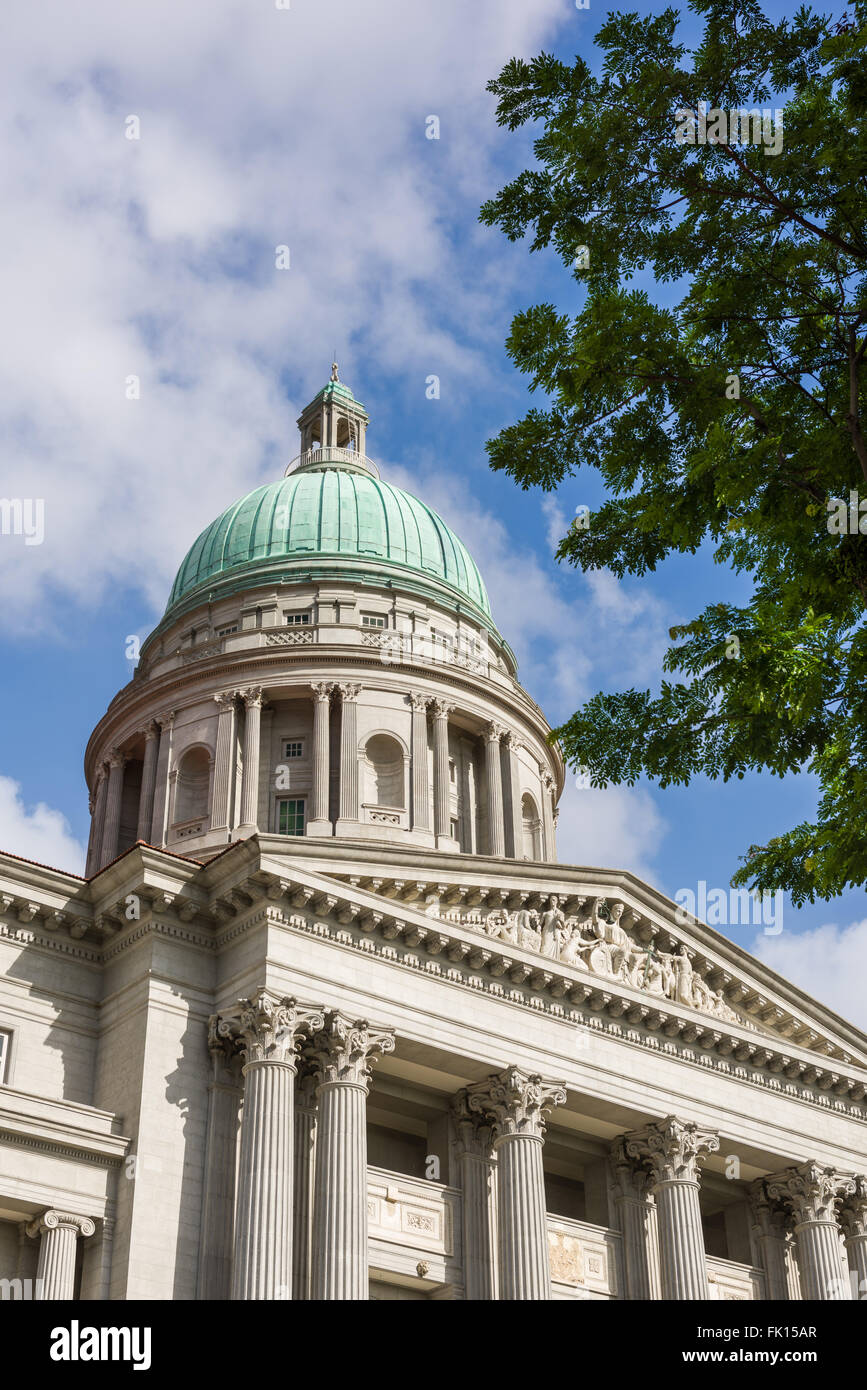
(547, 780)
(344, 1049)
(631, 1180)
(226, 698)
(515, 1102)
(265, 1028)
(671, 1148)
(475, 1131)
(166, 719)
(853, 1209)
(512, 741)
(349, 692)
(492, 733)
(151, 730)
(419, 703)
(441, 709)
(116, 758)
(252, 696)
(50, 1221)
(810, 1190)
(322, 690)
(769, 1215)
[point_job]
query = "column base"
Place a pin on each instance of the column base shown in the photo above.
(347, 827)
(243, 832)
(322, 828)
(447, 844)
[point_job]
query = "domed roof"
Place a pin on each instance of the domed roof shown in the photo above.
(331, 521)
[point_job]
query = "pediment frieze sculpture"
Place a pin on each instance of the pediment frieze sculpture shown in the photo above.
(595, 940)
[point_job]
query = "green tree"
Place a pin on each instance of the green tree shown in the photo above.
(733, 420)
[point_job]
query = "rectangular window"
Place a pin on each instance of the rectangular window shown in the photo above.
(293, 748)
(372, 620)
(225, 631)
(455, 829)
(297, 619)
(5, 1049)
(453, 772)
(290, 817)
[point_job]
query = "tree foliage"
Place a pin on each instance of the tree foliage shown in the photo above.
(765, 256)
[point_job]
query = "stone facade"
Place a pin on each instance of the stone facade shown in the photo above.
(326, 1019)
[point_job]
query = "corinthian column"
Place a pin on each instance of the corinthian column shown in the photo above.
(516, 831)
(442, 821)
(671, 1150)
(58, 1233)
(305, 1149)
(477, 1200)
(111, 829)
(811, 1192)
(148, 781)
(769, 1228)
(420, 790)
(342, 1053)
(319, 822)
(638, 1225)
(250, 783)
(494, 780)
(348, 757)
(266, 1031)
(516, 1104)
(224, 761)
(97, 827)
(216, 1244)
(853, 1220)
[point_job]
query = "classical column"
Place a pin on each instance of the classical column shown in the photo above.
(638, 1225)
(811, 1192)
(516, 1104)
(224, 761)
(442, 818)
(250, 784)
(97, 825)
(216, 1243)
(342, 1053)
(58, 1233)
(494, 779)
(548, 786)
(516, 829)
(671, 1150)
(475, 1137)
(266, 1030)
(111, 829)
(148, 781)
(305, 1149)
(319, 821)
(420, 788)
(769, 1229)
(853, 1220)
(348, 754)
(163, 794)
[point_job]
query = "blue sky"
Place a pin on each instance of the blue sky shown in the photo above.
(155, 257)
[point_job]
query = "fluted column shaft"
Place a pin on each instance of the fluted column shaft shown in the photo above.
(640, 1232)
(319, 818)
(58, 1236)
(349, 752)
(224, 762)
(856, 1248)
(114, 799)
(517, 818)
(250, 784)
(263, 1234)
(475, 1160)
(522, 1227)
(420, 791)
(819, 1259)
(770, 1235)
(494, 780)
(148, 782)
(812, 1191)
(94, 856)
(304, 1156)
(681, 1241)
(218, 1199)
(340, 1214)
(442, 824)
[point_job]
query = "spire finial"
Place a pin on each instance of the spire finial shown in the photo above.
(334, 376)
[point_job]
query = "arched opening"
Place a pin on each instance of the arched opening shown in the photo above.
(384, 772)
(345, 437)
(191, 790)
(531, 828)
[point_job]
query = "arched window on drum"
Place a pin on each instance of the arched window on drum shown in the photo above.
(531, 826)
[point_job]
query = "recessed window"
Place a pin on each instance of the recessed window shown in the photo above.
(372, 620)
(5, 1049)
(293, 748)
(297, 619)
(453, 772)
(290, 817)
(455, 829)
(226, 631)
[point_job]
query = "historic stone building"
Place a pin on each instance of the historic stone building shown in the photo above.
(323, 836)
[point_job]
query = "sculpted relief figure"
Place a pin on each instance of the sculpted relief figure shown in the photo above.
(553, 928)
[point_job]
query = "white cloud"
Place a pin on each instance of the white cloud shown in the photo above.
(37, 832)
(610, 828)
(828, 962)
(155, 257)
(556, 520)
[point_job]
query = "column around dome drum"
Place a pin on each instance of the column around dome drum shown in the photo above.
(250, 782)
(319, 822)
(494, 780)
(348, 758)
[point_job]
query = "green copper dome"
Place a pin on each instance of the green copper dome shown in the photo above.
(331, 522)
